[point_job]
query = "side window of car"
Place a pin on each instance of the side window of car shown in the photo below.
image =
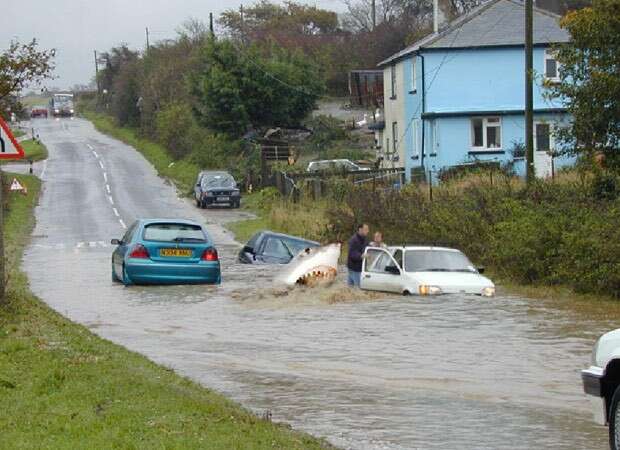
(398, 257)
(376, 260)
(129, 233)
(274, 247)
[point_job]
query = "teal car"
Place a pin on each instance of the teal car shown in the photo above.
(165, 251)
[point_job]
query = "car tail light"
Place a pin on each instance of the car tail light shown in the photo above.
(140, 252)
(209, 254)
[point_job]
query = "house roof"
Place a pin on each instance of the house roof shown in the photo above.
(494, 23)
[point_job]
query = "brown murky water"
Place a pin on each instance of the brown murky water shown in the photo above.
(366, 371)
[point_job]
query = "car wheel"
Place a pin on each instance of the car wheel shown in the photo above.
(614, 421)
(126, 280)
(198, 203)
(114, 277)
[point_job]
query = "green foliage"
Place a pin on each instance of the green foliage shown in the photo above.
(236, 89)
(590, 83)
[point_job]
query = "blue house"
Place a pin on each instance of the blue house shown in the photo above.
(457, 96)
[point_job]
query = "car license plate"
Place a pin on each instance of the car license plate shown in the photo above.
(223, 199)
(175, 252)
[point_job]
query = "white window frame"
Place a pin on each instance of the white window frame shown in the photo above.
(395, 137)
(393, 81)
(552, 127)
(414, 76)
(550, 55)
(485, 124)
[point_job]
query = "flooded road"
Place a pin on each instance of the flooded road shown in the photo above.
(363, 370)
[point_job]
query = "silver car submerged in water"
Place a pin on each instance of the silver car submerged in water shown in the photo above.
(602, 381)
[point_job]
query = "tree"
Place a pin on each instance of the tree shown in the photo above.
(22, 65)
(236, 88)
(590, 80)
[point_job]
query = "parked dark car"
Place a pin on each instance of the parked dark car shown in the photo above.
(267, 247)
(216, 188)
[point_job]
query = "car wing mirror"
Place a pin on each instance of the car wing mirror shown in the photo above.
(116, 242)
(480, 269)
(393, 270)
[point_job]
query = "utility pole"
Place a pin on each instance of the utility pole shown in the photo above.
(373, 14)
(211, 25)
(242, 24)
(147, 39)
(97, 73)
(529, 103)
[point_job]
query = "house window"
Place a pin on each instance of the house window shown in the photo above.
(552, 67)
(486, 133)
(543, 137)
(393, 80)
(395, 136)
(413, 76)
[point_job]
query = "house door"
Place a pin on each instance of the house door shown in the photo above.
(543, 148)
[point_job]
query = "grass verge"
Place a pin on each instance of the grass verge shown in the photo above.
(182, 172)
(33, 151)
(64, 388)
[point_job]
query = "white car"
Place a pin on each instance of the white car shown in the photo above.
(418, 270)
(602, 381)
(335, 165)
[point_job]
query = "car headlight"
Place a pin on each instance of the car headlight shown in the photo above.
(236, 192)
(488, 291)
(71, 111)
(56, 110)
(425, 289)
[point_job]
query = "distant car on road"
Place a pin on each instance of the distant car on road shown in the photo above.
(216, 188)
(602, 381)
(419, 270)
(334, 165)
(164, 251)
(267, 247)
(38, 111)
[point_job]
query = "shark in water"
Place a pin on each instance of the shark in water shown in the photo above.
(312, 266)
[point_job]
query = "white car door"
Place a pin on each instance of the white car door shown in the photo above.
(381, 272)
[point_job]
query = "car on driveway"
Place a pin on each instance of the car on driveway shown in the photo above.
(602, 381)
(165, 251)
(267, 247)
(335, 165)
(216, 188)
(421, 270)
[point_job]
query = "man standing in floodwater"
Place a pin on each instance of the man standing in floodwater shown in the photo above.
(357, 245)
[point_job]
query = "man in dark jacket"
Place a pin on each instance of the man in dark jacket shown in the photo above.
(357, 245)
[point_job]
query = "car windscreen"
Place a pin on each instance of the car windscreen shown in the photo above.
(437, 261)
(173, 232)
(296, 246)
(218, 181)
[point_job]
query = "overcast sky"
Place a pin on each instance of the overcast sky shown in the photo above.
(77, 27)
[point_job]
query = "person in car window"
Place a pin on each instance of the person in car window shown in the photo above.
(357, 246)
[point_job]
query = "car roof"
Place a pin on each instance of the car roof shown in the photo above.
(179, 221)
(214, 172)
(423, 247)
(288, 236)
(330, 160)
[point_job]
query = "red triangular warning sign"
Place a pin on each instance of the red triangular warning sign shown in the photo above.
(9, 147)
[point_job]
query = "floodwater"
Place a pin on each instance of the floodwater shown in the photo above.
(364, 370)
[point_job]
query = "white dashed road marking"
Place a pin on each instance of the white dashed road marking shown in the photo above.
(101, 165)
(116, 212)
(89, 146)
(122, 223)
(105, 177)
(107, 188)
(111, 200)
